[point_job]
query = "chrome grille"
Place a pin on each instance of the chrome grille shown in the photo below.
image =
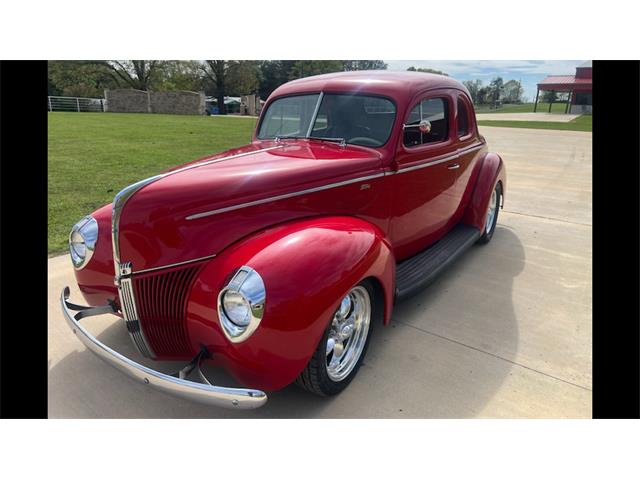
(161, 299)
(130, 312)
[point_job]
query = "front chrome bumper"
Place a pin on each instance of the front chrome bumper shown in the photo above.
(238, 398)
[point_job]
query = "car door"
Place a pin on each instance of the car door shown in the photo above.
(424, 181)
(469, 152)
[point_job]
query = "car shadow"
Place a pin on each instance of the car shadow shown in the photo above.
(459, 336)
(435, 359)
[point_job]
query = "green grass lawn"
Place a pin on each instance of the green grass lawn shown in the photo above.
(92, 156)
(579, 124)
(522, 108)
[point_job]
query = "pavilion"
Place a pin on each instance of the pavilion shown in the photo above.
(578, 85)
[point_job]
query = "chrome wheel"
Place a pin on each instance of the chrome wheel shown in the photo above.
(491, 213)
(348, 333)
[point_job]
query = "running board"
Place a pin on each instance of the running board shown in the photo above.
(417, 272)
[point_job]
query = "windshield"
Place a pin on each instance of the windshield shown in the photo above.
(356, 119)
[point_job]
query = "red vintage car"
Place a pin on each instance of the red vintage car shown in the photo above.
(273, 260)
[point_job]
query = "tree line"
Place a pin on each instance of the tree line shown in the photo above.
(217, 78)
(498, 91)
(222, 78)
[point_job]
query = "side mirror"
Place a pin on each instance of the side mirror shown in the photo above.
(424, 126)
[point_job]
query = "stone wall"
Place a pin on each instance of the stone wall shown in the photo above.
(127, 101)
(182, 103)
(137, 101)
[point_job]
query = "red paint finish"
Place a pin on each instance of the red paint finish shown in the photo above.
(154, 225)
(491, 172)
(95, 280)
(318, 261)
(161, 302)
(315, 219)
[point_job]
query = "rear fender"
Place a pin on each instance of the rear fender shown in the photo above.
(307, 268)
(492, 171)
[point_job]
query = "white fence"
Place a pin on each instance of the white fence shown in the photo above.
(75, 104)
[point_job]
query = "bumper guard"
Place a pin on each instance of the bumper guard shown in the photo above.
(236, 398)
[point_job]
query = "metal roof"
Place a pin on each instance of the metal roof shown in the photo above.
(564, 81)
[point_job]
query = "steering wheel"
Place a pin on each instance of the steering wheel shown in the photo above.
(364, 141)
(362, 129)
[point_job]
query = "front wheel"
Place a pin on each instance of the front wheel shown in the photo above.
(344, 343)
(492, 214)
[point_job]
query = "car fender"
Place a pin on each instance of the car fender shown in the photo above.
(95, 280)
(491, 172)
(307, 267)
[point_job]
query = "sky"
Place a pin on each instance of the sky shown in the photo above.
(529, 72)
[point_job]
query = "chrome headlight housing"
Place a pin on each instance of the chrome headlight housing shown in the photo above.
(241, 304)
(82, 241)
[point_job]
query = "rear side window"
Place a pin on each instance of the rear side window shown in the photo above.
(435, 112)
(463, 118)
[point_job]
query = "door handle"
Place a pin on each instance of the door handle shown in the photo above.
(453, 166)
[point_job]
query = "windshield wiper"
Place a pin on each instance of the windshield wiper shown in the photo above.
(277, 138)
(338, 140)
(341, 141)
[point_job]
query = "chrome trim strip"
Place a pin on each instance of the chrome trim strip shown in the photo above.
(282, 197)
(437, 162)
(238, 398)
(118, 204)
(128, 304)
(477, 146)
(121, 198)
(130, 312)
(171, 265)
(314, 114)
(428, 164)
(125, 289)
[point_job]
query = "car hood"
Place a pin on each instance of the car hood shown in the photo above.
(198, 209)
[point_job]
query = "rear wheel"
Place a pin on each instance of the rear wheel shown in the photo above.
(344, 343)
(492, 214)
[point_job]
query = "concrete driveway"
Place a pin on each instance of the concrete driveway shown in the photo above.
(505, 332)
(527, 116)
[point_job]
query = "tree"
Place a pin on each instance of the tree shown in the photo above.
(231, 76)
(495, 88)
(243, 78)
(350, 65)
(181, 75)
(550, 96)
(473, 86)
(307, 68)
(426, 70)
(484, 95)
(272, 74)
(217, 72)
(78, 78)
(513, 91)
(138, 74)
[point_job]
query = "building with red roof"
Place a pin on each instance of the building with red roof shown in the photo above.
(579, 87)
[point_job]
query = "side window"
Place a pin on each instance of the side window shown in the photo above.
(463, 118)
(433, 110)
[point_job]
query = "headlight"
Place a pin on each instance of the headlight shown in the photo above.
(82, 241)
(241, 304)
